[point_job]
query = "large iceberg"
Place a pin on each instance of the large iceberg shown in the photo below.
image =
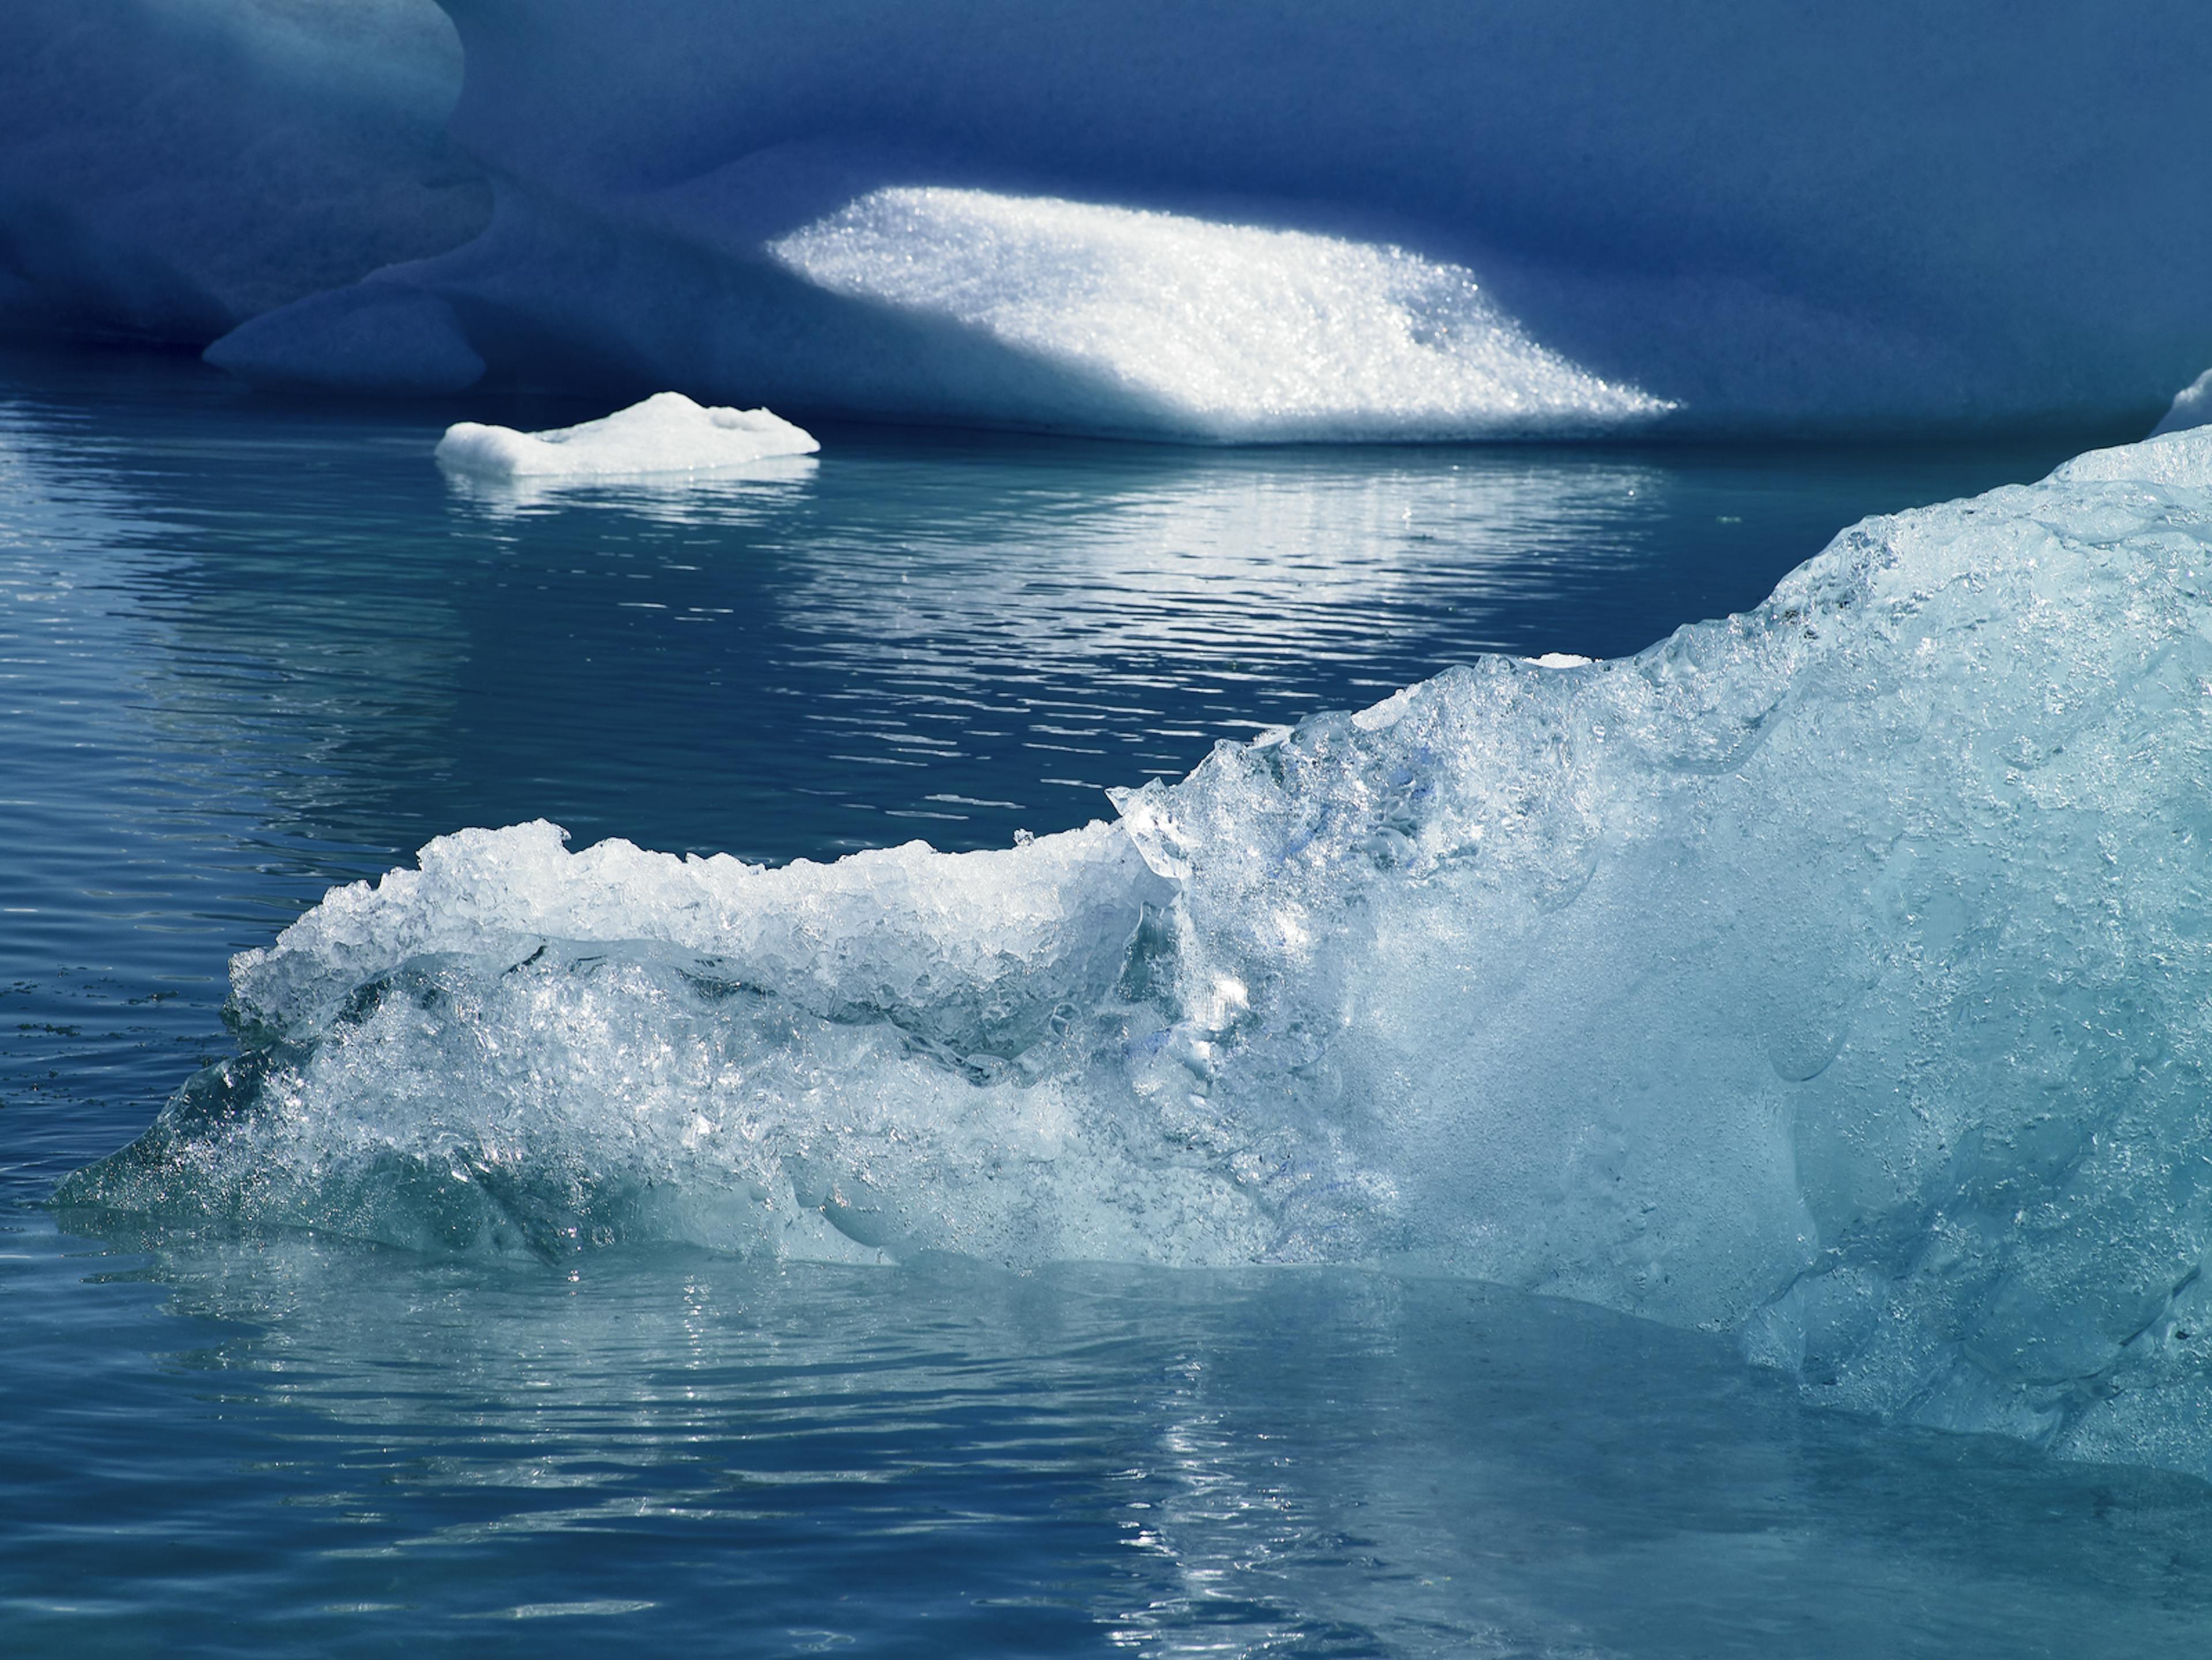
(1836, 974)
(1216, 221)
(1203, 221)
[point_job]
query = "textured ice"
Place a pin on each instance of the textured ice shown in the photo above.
(666, 433)
(1835, 974)
(1219, 330)
(1846, 219)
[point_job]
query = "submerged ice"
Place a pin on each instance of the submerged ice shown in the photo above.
(1835, 974)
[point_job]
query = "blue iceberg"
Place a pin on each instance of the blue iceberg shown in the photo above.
(1212, 222)
(169, 171)
(1835, 974)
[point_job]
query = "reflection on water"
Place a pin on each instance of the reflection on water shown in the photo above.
(947, 1459)
(803, 659)
(722, 495)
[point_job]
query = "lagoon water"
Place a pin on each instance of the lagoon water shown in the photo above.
(250, 648)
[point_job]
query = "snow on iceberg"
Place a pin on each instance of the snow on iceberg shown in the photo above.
(1223, 331)
(1856, 219)
(666, 433)
(1836, 973)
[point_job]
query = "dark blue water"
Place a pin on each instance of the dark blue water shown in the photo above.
(248, 649)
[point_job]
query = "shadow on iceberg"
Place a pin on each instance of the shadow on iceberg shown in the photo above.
(169, 172)
(1854, 224)
(971, 307)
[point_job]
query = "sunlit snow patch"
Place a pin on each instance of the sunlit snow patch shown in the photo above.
(666, 434)
(1230, 331)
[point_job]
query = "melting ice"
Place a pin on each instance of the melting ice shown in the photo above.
(1765, 220)
(1834, 974)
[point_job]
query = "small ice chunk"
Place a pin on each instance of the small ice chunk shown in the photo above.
(667, 433)
(1562, 659)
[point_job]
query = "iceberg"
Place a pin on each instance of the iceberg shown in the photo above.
(1205, 222)
(667, 433)
(170, 170)
(1212, 222)
(1834, 974)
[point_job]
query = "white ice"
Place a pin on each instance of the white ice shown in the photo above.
(1218, 330)
(668, 433)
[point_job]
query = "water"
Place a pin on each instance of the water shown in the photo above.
(248, 649)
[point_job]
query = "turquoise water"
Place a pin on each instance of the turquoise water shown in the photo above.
(250, 648)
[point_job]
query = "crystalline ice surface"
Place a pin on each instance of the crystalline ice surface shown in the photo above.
(666, 433)
(1835, 973)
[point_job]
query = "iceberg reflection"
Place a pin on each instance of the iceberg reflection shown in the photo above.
(1082, 1460)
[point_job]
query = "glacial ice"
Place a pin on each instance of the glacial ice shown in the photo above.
(168, 170)
(374, 337)
(1835, 974)
(2192, 407)
(1219, 330)
(1207, 220)
(667, 433)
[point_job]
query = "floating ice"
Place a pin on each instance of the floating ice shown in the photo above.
(1769, 219)
(666, 433)
(2181, 457)
(1836, 974)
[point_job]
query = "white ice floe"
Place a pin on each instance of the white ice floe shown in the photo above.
(666, 434)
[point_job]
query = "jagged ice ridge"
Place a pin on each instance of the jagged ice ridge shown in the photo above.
(1836, 973)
